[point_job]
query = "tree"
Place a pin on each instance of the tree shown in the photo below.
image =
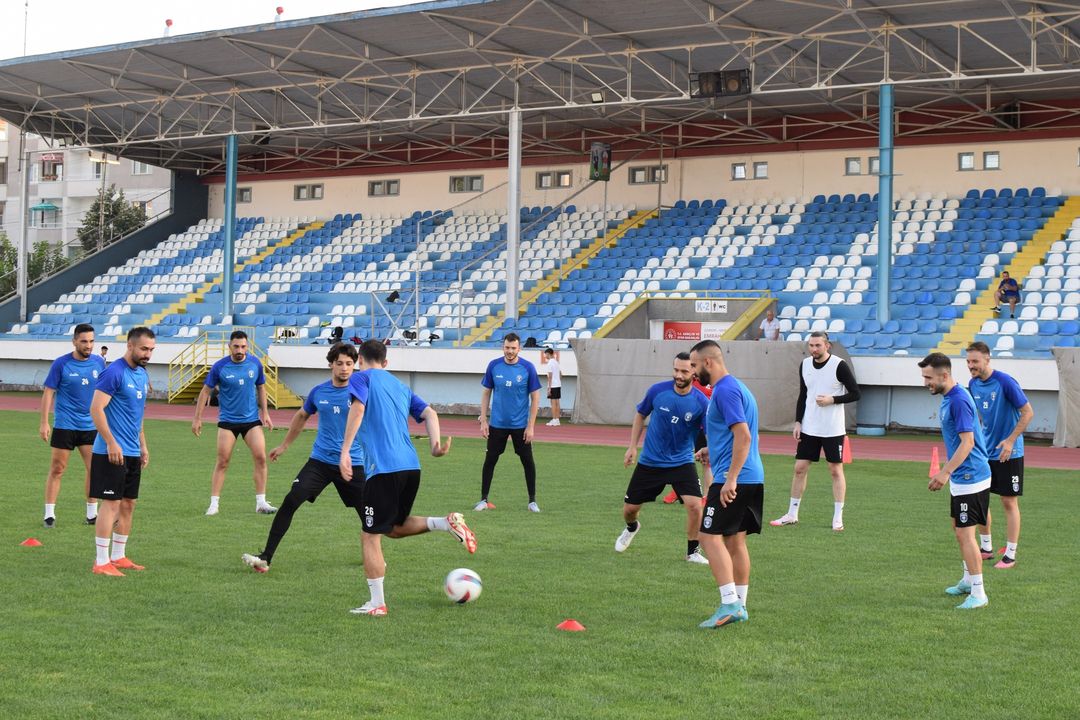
(9, 257)
(119, 218)
(45, 260)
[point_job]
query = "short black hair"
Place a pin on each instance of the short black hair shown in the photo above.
(682, 356)
(549, 351)
(705, 344)
(511, 337)
(104, 348)
(979, 346)
(936, 360)
(338, 349)
(238, 335)
(373, 351)
(820, 334)
(82, 328)
(138, 332)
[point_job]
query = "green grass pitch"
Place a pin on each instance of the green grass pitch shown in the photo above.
(851, 625)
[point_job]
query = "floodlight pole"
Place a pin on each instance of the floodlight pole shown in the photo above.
(513, 219)
(229, 252)
(885, 199)
(24, 232)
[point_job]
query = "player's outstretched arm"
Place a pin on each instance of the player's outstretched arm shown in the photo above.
(296, 426)
(434, 432)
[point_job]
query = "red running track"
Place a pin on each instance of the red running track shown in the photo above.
(769, 443)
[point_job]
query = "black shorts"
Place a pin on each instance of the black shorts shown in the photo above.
(239, 429)
(741, 515)
(968, 510)
(316, 475)
(388, 500)
(497, 441)
(1007, 478)
(555, 393)
(115, 482)
(62, 439)
(649, 481)
(810, 447)
(700, 441)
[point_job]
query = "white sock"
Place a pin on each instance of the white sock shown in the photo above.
(741, 591)
(438, 523)
(1010, 550)
(102, 544)
(728, 595)
(985, 543)
(91, 510)
(50, 510)
(119, 543)
(214, 500)
(966, 580)
(838, 513)
(376, 588)
(793, 507)
(977, 589)
(260, 500)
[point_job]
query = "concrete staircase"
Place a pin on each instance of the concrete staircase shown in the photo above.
(967, 327)
(551, 281)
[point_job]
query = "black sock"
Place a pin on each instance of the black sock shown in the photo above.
(632, 526)
(691, 547)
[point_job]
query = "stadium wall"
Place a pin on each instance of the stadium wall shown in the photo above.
(926, 168)
(189, 205)
(892, 392)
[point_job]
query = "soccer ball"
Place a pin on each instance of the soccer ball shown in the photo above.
(463, 585)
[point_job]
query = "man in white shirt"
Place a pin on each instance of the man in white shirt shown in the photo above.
(554, 378)
(770, 327)
(826, 383)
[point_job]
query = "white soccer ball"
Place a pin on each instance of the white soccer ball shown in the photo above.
(463, 585)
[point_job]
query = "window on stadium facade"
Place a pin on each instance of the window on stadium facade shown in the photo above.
(738, 171)
(965, 161)
(852, 166)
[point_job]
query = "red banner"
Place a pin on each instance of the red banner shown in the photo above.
(682, 330)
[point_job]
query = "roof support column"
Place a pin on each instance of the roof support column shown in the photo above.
(24, 230)
(229, 252)
(513, 213)
(885, 199)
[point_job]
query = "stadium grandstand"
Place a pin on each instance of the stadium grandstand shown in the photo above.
(436, 189)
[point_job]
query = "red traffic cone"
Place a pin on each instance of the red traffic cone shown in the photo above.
(570, 625)
(935, 463)
(847, 451)
(30, 542)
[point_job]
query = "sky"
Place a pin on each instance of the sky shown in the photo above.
(58, 25)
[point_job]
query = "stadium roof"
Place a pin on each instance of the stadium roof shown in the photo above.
(432, 83)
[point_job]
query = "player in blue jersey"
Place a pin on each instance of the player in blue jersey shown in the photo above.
(1005, 413)
(512, 389)
(734, 504)
(120, 450)
(70, 382)
(330, 401)
(675, 411)
(966, 471)
(242, 413)
(380, 414)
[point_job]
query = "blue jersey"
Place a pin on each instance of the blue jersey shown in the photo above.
(74, 381)
(236, 383)
(733, 403)
(388, 403)
(510, 387)
(998, 400)
(332, 405)
(128, 388)
(674, 422)
(958, 416)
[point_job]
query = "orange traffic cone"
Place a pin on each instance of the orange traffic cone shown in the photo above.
(31, 542)
(847, 451)
(570, 625)
(935, 463)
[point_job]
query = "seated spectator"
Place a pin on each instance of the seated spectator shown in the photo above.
(1009, 291)
(770, 327)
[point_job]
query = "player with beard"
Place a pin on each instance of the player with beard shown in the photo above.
(71, 382)
(120, 449)
(675, 411)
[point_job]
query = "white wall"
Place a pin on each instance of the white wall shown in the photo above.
(1050, 163)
